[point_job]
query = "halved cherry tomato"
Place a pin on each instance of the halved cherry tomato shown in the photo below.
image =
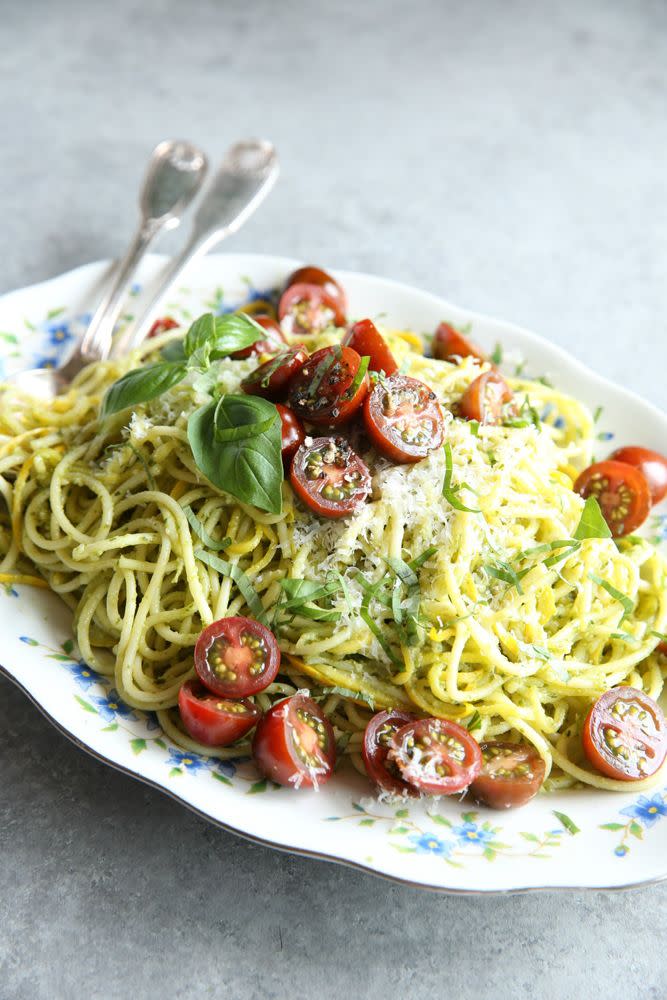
(485, 398)
(273, 343)
(366, 339)
(271, 379)
(374, 750)
(307, 309)
(236, 657)
(511, 774)
(310, 275)
(624, 734)
(214, 721)
(662, 649)
(651, 463)
(622, 492)
(161, 326)
(436, 756)
(293, 434)
(325, 391)
(329, 477)
(294, 743)
(451, 345)
(403, 418)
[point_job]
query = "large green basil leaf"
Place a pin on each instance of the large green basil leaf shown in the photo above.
(239, 417)
(140, 385)
(213, 337)
(249, 467)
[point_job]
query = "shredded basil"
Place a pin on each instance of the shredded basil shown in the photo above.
(497, 354)
(358, 378)
(592, 523)
(449, 492)
(626, 602)
(474, 722)
(202, 534)
(235, 573)
(348, 693)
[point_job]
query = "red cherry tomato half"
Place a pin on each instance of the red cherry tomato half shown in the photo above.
(310, 275)
(651, 463)
(436, 756)
(365, 339)
(622, 492)
(214, 721)
(511, 774)
(308, 309)
(293, 434)
(329, 477)
(662, 649)
(485, 398)
(273, 343)
(271, 379)
(294, 743)
(325, 390)
(374, 750)
(450, 345)
(403, 418)
(161, 326)
(624, 735)
(236, 657)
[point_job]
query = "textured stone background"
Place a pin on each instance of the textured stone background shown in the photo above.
(509, 154)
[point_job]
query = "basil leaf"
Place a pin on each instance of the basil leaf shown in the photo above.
(251, 468)
(140, 385)
(592, 523)
(238, 417)
(214, 337)
(173, 351)
(344, 692)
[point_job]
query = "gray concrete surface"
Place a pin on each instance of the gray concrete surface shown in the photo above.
(510, 154)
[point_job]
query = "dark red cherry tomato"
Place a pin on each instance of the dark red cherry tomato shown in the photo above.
(511, 774)
(294, 743)
(403, 418)
(308, 309)
(310, 275)
(273, 344)
(451, 345)
(365, 339)
(662, 649)
(271, 379)
(624, 735)
(293, 434)
(485, 398)
(622, 492)
(651, 463)
(236, 657)
(329, 477)
(374, 750)
(161, 326)
(325, 390)
(215, 721)
(436, 756)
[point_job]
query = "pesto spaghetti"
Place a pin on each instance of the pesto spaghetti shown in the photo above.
(474, 585)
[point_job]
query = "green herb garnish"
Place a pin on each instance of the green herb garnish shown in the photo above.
(202, 534)
(235, 573)
(592, 523)
(626, 602)
(449, 492)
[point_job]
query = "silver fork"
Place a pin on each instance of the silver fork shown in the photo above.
(174, 175)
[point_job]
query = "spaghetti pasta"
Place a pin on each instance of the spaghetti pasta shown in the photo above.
(487, 611)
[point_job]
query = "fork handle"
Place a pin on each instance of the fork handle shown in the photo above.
(96, 344)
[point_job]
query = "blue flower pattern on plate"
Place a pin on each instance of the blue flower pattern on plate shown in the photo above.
(111, 706)
(647, 810)
(428, 843)
(472, 833)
